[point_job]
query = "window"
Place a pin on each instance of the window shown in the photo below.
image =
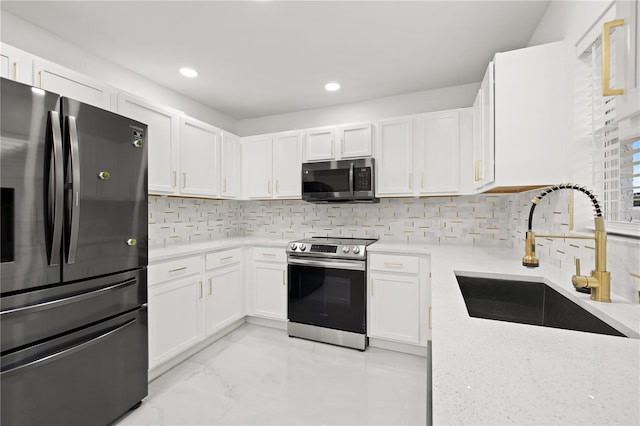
(614, 162)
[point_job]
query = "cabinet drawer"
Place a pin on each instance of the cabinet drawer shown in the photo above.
(165, 271)
(269, 254)
(391, 263)
(223, 258)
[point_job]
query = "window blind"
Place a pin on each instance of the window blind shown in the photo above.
(615, 163)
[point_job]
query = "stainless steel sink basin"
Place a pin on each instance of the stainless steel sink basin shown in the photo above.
(527, 302)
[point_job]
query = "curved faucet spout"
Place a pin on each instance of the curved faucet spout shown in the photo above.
(599, 281)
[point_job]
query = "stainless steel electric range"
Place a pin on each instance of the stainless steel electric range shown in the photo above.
(327, 298)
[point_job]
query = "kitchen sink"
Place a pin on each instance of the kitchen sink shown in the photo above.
(527, 302)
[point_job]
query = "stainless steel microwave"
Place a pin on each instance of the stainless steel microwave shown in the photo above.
(339, 181)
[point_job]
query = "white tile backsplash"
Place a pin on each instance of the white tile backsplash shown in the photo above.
(482, 220)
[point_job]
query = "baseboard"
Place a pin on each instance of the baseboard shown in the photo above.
(169, 364)
(398, 347)
(267, 322)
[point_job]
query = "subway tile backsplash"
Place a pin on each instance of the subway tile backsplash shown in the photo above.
(482, 220)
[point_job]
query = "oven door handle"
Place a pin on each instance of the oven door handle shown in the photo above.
(354, 265)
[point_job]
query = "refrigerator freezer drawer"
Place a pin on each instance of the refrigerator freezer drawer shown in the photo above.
(91, 376)
(31, 317)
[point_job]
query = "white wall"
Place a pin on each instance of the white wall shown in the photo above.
(24, 35)
(392, 106)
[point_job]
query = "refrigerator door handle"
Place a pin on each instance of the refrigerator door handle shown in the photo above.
(57, 188)
(67, 351)
(74, 207)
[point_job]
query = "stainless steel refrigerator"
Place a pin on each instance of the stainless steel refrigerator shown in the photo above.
(74, 255)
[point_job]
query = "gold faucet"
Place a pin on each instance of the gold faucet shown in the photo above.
(600, 280)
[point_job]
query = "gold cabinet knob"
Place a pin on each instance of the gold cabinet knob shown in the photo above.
(137, 143)
(104, 175)
(132, 242)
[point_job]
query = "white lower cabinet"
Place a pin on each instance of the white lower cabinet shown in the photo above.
(269, 283)
(399, 298)
(175, 308)
(223, 290)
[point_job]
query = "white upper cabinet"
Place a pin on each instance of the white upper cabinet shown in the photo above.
(337, 142)
(355, 140)
(394, 148)
(199, 158)
(257, 166)
(319, 144)
(438, 152)
(287, 165)
(162, 136)
(16, 64)
(271, 166)
(483, 141)
(63, 81)
(230, 166)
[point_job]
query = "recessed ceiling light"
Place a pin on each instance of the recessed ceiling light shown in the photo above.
(188, 72)
(332, 87)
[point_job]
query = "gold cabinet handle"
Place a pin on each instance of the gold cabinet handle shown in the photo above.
(429, 317)
(277, 186)
(175, 178)
(606, 58)
(332, 148)
(341, 146)
(41, 75)
(372, 287)
(211, 287)
(410, 181)
(224, 185)
(225, 259)
(283, 278)
(184, 180)
(200, 289)
(393, 265)
(269, 186)
(422, 180)
(15, 70)
(269, 254)
(476, 170)
(177, 269)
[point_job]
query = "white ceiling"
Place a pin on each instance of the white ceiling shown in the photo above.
(258, 58)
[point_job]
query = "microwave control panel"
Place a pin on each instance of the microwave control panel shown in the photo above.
(362, 179)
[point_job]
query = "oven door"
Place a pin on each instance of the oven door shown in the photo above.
(328, 293)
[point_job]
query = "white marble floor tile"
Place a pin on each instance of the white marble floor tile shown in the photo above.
(260, 376)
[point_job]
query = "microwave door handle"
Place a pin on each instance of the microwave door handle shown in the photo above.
(351, 179)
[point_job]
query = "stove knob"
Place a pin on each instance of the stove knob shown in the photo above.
(356, 250)
(293, 246)
(303, 247)
(345, 249)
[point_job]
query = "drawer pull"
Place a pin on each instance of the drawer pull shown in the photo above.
(283, 278)
(393, 265)
(177, 269)
(200, 289)
(225, 259)
(269, 254)
(211, 287)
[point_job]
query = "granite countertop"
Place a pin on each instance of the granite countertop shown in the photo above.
(495, 372)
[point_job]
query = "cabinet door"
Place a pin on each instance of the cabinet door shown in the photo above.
(199, 158)
(162, 137)
(174, 317)
(319, 144)
(16, 64)
(486, 166)
(395, 157)
(257, 158)
(60, 80)
(230, 166)
(394, 307)
(477, 140)
(438, 140)
(287, 169)
(355, 140)
(270, 288)
(223, 298)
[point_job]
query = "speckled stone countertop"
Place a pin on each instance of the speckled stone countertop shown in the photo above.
(497, 373)
(167, 253)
